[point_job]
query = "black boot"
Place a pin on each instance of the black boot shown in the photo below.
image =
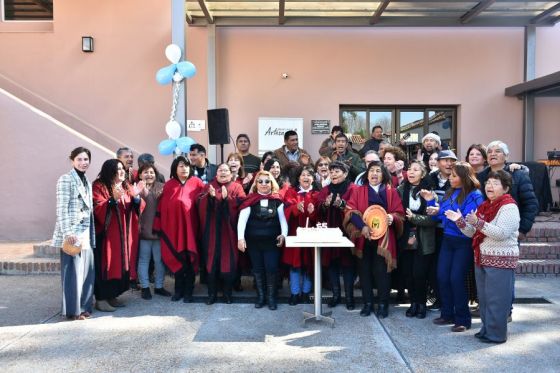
(146, 294)
(294, 299)
(212, 291)
(228, 290)
(412, 310)
(259, 284)
(349, 294)
(271, 290)
(421, 311)
(336, 294)
(179, 287)
(189, 287)
(366, 310)
(383, 310)
(306, 298)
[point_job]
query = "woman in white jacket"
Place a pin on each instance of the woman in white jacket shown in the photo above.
(74, 224)
(494, 228)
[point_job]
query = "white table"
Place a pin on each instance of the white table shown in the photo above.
(318, 315)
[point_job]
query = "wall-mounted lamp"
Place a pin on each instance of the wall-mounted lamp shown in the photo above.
(87, 44)
(285, 75)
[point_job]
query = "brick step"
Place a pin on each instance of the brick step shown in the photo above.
(538, 267)
(29, 266)
(539, 250)
(45, 250)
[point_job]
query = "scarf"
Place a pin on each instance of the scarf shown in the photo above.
(256, 197)
(339, 188)
(487, 211)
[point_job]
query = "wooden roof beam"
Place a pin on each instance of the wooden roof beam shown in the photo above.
(206, 12)
(380, 9)
(281, 12)
(479, 8)
(544, 15)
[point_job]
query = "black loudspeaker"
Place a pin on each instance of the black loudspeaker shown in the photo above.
(218, 126)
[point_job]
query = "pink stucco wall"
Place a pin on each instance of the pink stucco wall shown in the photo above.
(114, 88)
(329, 67)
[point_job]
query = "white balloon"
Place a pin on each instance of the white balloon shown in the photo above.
(173, 129)
(173, 53)
(177, 77)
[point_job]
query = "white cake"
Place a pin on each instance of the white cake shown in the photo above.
(313, 234)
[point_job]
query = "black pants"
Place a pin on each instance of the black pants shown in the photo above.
(184, 279)
(371, 263)
(265, 261)
(416, 266)
(433, 264)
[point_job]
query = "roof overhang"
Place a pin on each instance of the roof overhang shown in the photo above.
(545, 86)
(384, 13)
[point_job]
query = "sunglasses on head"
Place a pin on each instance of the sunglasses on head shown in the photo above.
(261, 181)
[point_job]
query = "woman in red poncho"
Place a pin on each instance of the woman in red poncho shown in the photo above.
(299, 208)
(218, 211)
(331, 202)
(117, 206)
(375, 256)
(176, 223)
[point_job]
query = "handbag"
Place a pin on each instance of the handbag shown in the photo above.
(71, 249)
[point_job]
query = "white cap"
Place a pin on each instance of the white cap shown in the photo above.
(432, 136)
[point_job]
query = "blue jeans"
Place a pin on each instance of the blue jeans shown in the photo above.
(149, 248)
(298, 275)
(455, 259)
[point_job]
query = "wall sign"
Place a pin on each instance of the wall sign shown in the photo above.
(272, 130)
(195, 125)
(320, 127)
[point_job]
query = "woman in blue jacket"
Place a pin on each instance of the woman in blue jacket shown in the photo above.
(456, 254)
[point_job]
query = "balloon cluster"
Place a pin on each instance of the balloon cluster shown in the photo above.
(175, 73)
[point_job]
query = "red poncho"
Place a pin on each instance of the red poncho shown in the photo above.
(387, 245)
(117, 224)
(176, 223)
(218, 218)
(298, 257)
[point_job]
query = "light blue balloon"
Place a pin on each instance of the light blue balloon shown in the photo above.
(186, 68)
(165, 74)
(166, 147)
(184, 143)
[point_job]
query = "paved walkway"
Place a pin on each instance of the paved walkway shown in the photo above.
(160, 335)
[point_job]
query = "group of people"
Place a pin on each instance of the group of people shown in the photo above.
(451, 224)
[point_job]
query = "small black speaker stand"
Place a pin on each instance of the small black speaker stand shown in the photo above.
(222, 150)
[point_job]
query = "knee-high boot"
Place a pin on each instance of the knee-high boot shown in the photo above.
(228, 288)
(179, 286)
(271, 290)
(259, 283)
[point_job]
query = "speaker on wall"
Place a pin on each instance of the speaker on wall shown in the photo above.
(218, 126)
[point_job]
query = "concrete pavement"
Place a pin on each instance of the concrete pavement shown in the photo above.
(160, 335)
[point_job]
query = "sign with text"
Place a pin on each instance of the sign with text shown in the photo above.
(272, 130)
(320, 127)
(195, 125)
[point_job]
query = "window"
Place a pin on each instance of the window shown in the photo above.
(27, 10)
(404, 124)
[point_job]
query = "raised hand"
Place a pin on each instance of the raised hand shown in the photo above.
(224, 192)
(300, 206)
(328, 200)
(366, 232)
(453, 215)
(432, 210)
(117, 192)
(399, 165)
(211, 191)
(409, 213)
(471, 218)
(310, 208)
(428, 195)
(337, 201)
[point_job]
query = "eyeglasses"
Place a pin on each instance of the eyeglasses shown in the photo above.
(322, 164)
(261, 181)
